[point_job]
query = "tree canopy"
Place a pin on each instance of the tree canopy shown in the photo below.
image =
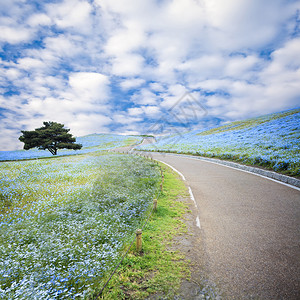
(52, 136)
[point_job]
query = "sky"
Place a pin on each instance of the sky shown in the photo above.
(121, 66)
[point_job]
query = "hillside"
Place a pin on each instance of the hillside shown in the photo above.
(270, 141)
(67, 220)
(90, 143)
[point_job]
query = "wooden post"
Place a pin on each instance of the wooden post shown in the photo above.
(162, 178)
(161, 187)
(139, 240)
(155, 204)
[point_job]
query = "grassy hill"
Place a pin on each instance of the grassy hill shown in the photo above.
(64, 222)
(270, 141)
(90, 143)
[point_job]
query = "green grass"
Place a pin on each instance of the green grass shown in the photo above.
(130, 142)
(158, 269)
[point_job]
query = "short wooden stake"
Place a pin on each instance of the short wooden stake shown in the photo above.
(139, 240)
(161, 187)
(162, 178)
(155, 204)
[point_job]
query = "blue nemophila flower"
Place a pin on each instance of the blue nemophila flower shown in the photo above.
(68, 221)
(271, 141)
(90, 143)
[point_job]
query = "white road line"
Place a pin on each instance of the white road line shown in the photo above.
(172, 169)
(198, 222)
(190, 191)
(216, 163)
(192, 197)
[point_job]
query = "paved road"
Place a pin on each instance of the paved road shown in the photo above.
(250, 230)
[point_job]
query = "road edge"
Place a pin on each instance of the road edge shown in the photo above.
(280, 178)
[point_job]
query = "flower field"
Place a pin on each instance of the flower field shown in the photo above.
(90, 143)
(271, 141)
(64, 221)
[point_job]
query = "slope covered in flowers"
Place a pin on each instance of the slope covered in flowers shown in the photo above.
(64, 221)
(90, 143)
(271, 141)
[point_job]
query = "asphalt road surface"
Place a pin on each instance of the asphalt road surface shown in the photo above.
(249, 228)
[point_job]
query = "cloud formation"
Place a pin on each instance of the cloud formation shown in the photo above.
(119, 65)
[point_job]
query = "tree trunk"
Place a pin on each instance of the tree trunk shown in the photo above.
(52, 150)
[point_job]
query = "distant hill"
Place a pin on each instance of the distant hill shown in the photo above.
(271, 141)
(90, 143)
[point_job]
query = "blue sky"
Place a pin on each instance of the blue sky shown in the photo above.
(119, 65)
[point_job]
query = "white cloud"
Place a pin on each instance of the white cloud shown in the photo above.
(61, 46)
(127, 65)
(156, 87)
(85, 54)
(284, 59)
(14, 35)
(83, 124)
(135, 111)
(215, 101)
(145, 97)
(27, 63)
(71, 14)
(151, 111)
(39, 19)
(125, 119)
(9, 138)
(132, 83)
(89, 86)
(249, 23)
(204, 68)
(212, 85)
(148, 110)
(281, 77)
(125, 41)
(241, 66)
(173, 95)
(12, 74)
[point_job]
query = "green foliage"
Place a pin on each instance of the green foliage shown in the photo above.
(51, 136)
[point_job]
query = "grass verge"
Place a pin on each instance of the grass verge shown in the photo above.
(157, 269)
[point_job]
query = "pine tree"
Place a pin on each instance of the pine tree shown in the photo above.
(52, 136)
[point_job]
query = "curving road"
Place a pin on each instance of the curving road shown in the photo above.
(249, 229)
